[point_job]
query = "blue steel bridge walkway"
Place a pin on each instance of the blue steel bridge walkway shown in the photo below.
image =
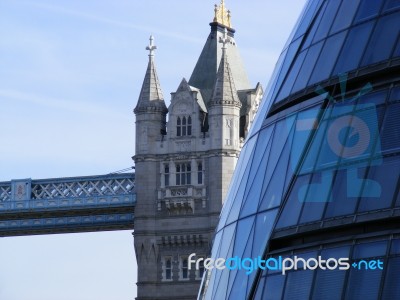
(64, 205)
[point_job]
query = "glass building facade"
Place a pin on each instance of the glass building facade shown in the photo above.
(319, 173)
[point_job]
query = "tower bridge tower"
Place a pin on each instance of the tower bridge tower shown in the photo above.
(184, 166)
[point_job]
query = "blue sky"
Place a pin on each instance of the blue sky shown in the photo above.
(70, 75)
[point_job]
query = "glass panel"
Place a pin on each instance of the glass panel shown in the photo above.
(353, 48)
(244, 157)
(385, 177)
(391, 4)
(274, 287)
(285, 66)
(373, 249)
(395, 94)
(298, 285)
(382, 42)
(395, 248)
(397, 49)
(292, 209)
(344, 202)
(307, 67)
(368, 8)
(327, 60)
(260, 289)
(244, 238)
(327, 20)
(287, 86)
(345, 15)
(391, 288)
(310, 35)
(306, 20)
(390, 131)
(315, 197)
(367, 283)
(329, 283)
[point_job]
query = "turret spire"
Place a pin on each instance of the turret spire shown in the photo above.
(224, 90)
(151, 97)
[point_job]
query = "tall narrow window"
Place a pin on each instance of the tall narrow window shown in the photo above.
(183, 174)
(200, 271)
(166, 175)
(178, 126)
(183, 126)
(199, 173)
(189, 127)
(168, 268)
(184, 274)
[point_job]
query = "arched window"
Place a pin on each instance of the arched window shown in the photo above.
(166, 175)
(178, 126)
(183, 126)
(189, 127)
(168, 268)
(183, 174)
(199, 173)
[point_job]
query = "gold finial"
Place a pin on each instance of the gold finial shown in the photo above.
(222, 15)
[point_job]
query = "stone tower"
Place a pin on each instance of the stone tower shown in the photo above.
(184, 166)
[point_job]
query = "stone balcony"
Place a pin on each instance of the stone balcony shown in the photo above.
(182, 198)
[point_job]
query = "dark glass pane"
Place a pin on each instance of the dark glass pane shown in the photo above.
(329, 283)
(178, 131)
(315, 196)
(363, 284)
(353, 48)
(344, 195)
(345, 15)
(373, 249)
(368, 8)
(168, 274)
(383, 39)
(286, 64)
(184, 121)
(166, 179)
(390, 131)
(292, 209)
(260, 289)
(189, 130)
(376, 98)
(298, 285)
(188, 167)
(292, 75)
(178, 121)
(380, 185)
(183, 179)
(256, 176)
(395, 94)
(397, 49)
(178, 179)
(327, 59)
(183, 130)
(307, 18)
(274, 287)
(311, 33)
(327, 20)
(307, 67)
(166, 169)
(189, 120)
(395, 247)
(391, 288)
(391, 4)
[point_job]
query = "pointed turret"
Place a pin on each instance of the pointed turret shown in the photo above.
(225, 92)
(151, 97)
(224, 105)
(150, 110)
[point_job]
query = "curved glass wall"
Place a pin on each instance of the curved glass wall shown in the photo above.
(319, 173)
